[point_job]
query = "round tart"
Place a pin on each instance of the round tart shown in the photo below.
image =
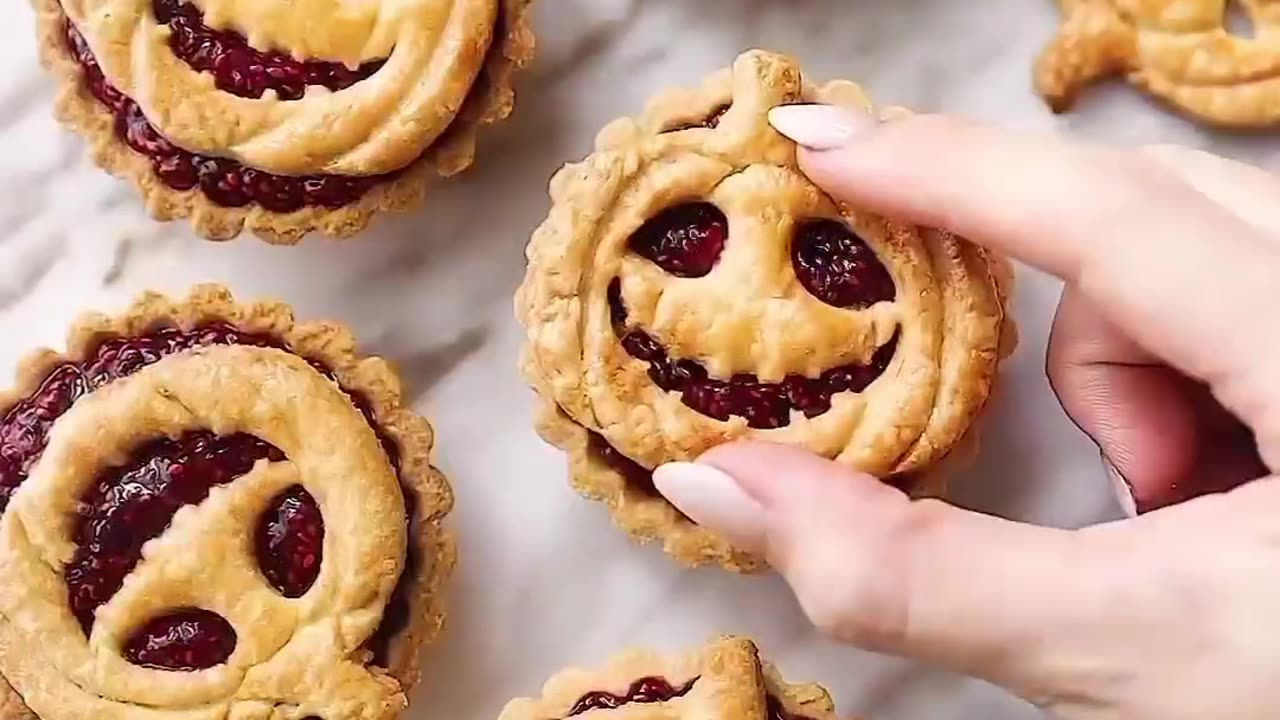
(722, 680)
(208, 510)
(282, 117)
(1179, 51)
(692, 287)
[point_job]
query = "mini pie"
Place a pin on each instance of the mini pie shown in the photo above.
(210, 511)
(692, 287)
(1179, 51)
(282, 116)
(722, 680)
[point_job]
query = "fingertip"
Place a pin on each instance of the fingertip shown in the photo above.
(821, 127)
(776, 474)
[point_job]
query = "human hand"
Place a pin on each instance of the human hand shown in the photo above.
(1165, 350)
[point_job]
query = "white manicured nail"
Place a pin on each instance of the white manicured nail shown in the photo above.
(820, 127)
(712, 498)
(1124, 493)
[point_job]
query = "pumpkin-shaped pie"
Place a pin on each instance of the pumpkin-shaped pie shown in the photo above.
(282, 116)
(692, 287)
(208, 510)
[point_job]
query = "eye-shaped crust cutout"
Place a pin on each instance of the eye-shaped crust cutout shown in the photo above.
(684, 240)
(750, 314)
(837, 267)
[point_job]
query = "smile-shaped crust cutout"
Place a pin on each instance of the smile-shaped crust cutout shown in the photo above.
(692, 287)
(1180, 51)
(282, 116)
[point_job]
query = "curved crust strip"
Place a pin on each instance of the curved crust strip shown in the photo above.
(491, 99)
(333, 346)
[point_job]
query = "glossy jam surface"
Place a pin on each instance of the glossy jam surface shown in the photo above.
(182, 641)
(240, 69)
(763, 405)
(837, 267)
(24, 429)
(685, 240)
(290, 542)
(134, 503)
(225, 182)
(644, 690)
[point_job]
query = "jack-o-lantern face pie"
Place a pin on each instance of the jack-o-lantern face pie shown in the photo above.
(282, 116)
(209, 511)
(691, 287)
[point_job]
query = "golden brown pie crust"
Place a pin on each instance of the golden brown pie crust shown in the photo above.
(732, 684)
(333, 346)
(490, 99)
(951, 308)
(1179, 51)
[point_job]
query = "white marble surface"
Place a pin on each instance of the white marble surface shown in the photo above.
(544, 581)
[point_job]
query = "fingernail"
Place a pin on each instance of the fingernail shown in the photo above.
(712, 498)
(1124, 493)
(820, 127)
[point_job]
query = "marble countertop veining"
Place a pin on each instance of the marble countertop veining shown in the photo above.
(544, 581)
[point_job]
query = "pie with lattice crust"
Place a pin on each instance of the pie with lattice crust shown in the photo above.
(1179, 51)
(692, 287)
(722, 680)
(282, 117)
(208, 510)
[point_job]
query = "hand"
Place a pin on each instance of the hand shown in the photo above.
(1166, 350)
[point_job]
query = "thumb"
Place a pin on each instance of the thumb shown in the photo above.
(922, 579)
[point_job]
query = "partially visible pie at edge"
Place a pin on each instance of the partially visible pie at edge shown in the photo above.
(282, 117)
(725, 679)
(291, 517)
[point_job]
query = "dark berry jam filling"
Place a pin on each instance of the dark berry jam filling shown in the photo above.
(290, 542)
(635, 474)
(644, 690)
(225, 182)
(183, 641)
(710, 122)
(134, 503)
(684, 240)
(763, 405)
(24, 429)
(240, 69)
(837, 267)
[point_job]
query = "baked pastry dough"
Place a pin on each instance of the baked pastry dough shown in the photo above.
(692, 287)
(1180, 51)
(282, 117)
(208, 510)
(722, 680)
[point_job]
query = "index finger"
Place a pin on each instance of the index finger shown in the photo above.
(1169, 266)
